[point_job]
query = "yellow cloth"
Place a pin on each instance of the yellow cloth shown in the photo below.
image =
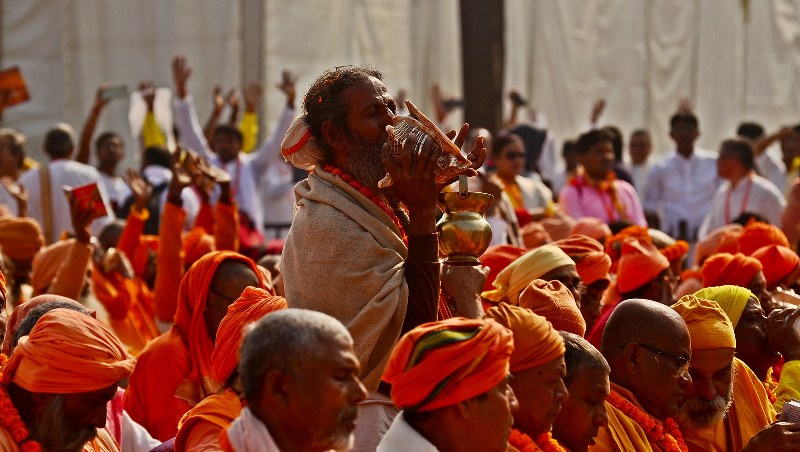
(622, 433)
(789, 385)
(532, 265)
(732, 299)
(151, 133)
(249, 128)
(709, 327)
(749, 413)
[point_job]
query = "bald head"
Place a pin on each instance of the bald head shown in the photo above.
(639, 320)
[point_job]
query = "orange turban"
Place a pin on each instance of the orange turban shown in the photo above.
(592, 227)
(532, 265)
(196, 244)
(756, 235)
(639, 263)
(251, 306)
(777, 262)
(731, 299)
(190, 321)
(20, 238)
(534, 234)
(724, 239)
(19, 313)
(709, 327)
(553, 301)
(591, 261)
(46, 263)
(497, 258)
(724, 268)
(68, 352)
(536, 342)
(443, 363)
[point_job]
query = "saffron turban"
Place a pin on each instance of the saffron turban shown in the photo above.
(709, 327)
(592, 227)
(534, 235)
(531, 265)
(536, 342)
(196, 244)
(19, 313)
(498, 257)
(68, 352)
(443, 363)
(639, 263)
(553, 301)
(731, 299)
(756, 235)
(777, 262)
(20, 238)
(46, 263)
(724, 239)
(591, 261)
(725, 268)
(253, 304)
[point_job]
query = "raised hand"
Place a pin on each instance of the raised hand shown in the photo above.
(142, 191)
(181, 71)
(477, 156)
(100, 101)
(287, 86)
(81, 219)
(217, 99)
(252, 94)
(598, 108)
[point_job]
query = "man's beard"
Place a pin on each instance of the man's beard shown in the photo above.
(364, 162)
(55, 432)
(698, 413)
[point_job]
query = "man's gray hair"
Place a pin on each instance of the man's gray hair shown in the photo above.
(581, 355)
(284, 340)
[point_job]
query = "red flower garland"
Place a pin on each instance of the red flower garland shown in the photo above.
(364, 190)
(770, 393)
(544, 442)
(668, 436)
(11, 421)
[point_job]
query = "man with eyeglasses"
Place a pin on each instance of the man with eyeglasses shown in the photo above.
(647, 347)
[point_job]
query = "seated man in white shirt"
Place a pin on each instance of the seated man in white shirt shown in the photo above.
(743, 190)
(300, 379)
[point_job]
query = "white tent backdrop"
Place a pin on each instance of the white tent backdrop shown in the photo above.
(641, 55)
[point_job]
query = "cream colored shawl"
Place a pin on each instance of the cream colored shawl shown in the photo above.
(344, 257)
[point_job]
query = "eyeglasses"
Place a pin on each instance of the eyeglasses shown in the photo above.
(681, 362)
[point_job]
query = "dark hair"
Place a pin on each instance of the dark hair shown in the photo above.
(616, 141)
(752, 130)
(503, 139)
(742, 150)
(617, 226)
(590, 138)
(746, 217)
(230, 130)
(16, 144)
(688, 118)
(105, 136)
(157, 155)
(581, 355)
(33, 316)
(643, 132)
(569, 146)
(58, 143)
(323, 101)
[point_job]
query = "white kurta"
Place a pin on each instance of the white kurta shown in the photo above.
(116, 188)
(402, 437)
(640, 173)
(759, 196)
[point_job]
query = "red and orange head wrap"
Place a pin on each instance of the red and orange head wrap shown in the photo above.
(553, 301)
(756, 235)
(536, 342)
(591, 261)
(592, 227)
(778, 262)
(639, 263)
(729, 269)
(439, 364)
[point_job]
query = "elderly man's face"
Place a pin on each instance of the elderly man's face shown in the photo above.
(540, 391)
(752, 343)
(711, 391)
(491, 416)
(323, 396)
(583, 413)
(68, 421)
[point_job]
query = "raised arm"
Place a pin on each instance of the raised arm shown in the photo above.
(270, 150)
(85, 144)
(185, 115)
(216, 112)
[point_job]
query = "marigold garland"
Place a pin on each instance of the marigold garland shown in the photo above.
(544, 442)
(364, 190)
(770, 393)
(668, 436)
(11, 421)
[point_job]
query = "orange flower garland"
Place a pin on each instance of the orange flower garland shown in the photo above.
(668, 436)
(364, 190)
(544, 442)
(11, 421)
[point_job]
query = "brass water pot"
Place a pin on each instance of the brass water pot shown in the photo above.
(464, 234)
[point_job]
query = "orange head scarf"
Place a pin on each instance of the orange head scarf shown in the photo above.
(19, 313)
(196, 244)
(497, 258)
(251, 306)
(592, 227)
(20, 238)
(729, 269)
(68, 352)
(639, 263)
(553, 301)
(591, 261)
(443, 363)
(191, 324)
(536, 341)
(777, 262)
(724, 239)
(709, 327)
(46, 263)
(756, 235)
(534, 234)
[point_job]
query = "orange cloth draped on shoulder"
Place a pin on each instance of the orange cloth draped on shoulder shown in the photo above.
(20, 238)
(729, 269)
(200, 427)
(60, 269)
(778, 263)
(439, 364)
(553, 301)
(174, 370)
(19, 313)
(590, 258)
(756, 235)
(536, 341)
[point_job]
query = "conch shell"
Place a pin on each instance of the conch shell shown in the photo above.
(450, 164)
